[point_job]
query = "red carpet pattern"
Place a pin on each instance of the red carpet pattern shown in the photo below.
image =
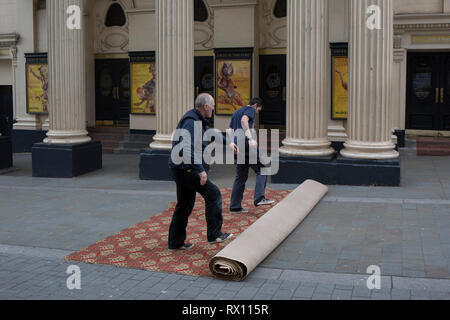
(144, 246)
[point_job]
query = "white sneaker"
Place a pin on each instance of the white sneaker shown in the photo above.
(222, 238)
(265, 202)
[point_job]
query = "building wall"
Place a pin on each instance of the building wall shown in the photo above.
(420, 6)
(231, 23)
(142, 37)
(6, 78)
(7, 16)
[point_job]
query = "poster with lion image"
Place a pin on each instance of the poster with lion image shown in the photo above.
(143, 88)
(233, 85)
(37, 88)
(340, 88)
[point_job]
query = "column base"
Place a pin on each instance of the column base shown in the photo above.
(23, 140)
(339, 171)
(369, 150)
(154, 165)
(161, 142)
(6, 158)
(66, 161)
(306, 148)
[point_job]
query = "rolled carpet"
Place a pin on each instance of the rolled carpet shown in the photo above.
(237, 260)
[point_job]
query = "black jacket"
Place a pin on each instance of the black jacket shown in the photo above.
(187, 122)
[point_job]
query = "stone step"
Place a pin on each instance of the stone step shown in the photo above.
(433, 152)
(108, 150)
(127, 151)
(138, 137)
(119, 130)
(134, 144)
(110, 137)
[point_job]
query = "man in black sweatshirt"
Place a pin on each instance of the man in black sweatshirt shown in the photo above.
(192, 177)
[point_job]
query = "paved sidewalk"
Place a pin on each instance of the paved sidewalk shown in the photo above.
(405, 231)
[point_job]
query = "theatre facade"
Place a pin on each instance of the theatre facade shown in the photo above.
(344, 81)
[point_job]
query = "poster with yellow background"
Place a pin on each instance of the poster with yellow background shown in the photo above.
(233, 85)
(143, 88)
(37, 88)
(340, 88)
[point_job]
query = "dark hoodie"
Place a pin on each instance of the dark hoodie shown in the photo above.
(187, 123)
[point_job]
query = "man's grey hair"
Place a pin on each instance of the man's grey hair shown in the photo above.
(202, 99)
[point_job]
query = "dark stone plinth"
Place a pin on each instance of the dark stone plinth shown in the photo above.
(66, 161)
(23, 140)
(339, 171)
(6, 158)
(154, 165)
(401, 138)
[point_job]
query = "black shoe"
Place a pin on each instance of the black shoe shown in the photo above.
(185, 246)
(222, 238)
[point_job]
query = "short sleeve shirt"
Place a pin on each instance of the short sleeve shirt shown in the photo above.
(248, 111)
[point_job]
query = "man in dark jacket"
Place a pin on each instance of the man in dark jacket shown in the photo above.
(192, 177)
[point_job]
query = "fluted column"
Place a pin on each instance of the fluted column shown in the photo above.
(67, 91)
(175, 67)
(307, 79)
(370, 61)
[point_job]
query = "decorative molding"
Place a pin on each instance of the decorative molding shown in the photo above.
(232, 3)
(204, 53)
(141, 11)
(111, 56)
(273, 30)
(111, 39)
(204, 31)
(397, 41)
(415, 27)
(9, 41)
(274, 51)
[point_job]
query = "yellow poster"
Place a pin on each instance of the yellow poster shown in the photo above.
(340, 88)
(143, 88)
(37, 88)
(233, 85)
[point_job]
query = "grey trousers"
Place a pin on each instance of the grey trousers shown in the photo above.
(240, 181)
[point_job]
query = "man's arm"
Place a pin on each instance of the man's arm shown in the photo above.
(228, 140)
(246, 127)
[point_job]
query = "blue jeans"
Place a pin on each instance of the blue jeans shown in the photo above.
(239, 185)
(188, 184)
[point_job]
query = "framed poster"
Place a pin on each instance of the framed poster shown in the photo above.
(37, 83)
(233, 79)
(339, 68)
(143, 83)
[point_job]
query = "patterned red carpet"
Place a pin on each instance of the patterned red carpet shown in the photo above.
(144, 246)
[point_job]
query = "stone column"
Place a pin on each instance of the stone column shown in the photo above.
(307, 80)
(67, 89)
(175, 67)
(370, 67)
(68, 150)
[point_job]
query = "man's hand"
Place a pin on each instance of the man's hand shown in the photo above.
(203, 178)
(252, 143)
(234, 147)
